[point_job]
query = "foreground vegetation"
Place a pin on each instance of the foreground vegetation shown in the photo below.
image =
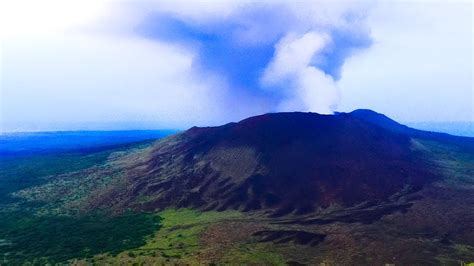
(28, 236)
(21, 172)
(57, 239)
(182, 240)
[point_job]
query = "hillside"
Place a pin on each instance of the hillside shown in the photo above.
(281, 163)
(293, 188)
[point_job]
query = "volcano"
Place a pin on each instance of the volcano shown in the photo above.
(281, 163)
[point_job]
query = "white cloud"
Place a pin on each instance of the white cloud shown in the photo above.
(197, 11)
(420, 66)
(292, 55)
(66, 62)
(34, 18)
(90, 79)
(307, 88)
(318, 91)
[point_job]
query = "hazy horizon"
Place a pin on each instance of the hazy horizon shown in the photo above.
(459, 128)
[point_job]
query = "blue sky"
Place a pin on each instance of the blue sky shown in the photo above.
(175, 64)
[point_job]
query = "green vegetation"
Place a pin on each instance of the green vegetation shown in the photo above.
(177, 240)
(25, 171)
(454, 162)
(21, 172)
(180, 241)
(181, 230)
(26, 236)
(258, 253)
(39, 239)
(461, 255)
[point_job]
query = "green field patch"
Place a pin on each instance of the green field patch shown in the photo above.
(179, 236)
(254, 254)
(29, 238)
(177, 241)
(26, 171)
(23, 172)
(453, 162)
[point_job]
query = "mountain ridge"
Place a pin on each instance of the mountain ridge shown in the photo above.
(279, 163)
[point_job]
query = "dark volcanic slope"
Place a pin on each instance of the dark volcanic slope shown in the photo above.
(282, 162)
(466, 143)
